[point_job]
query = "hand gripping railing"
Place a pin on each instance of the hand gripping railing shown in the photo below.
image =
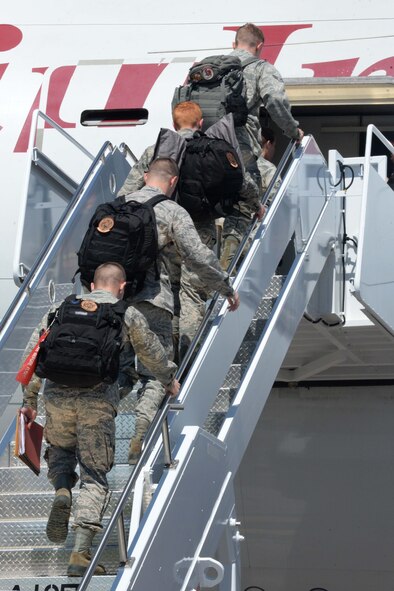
(160, 421)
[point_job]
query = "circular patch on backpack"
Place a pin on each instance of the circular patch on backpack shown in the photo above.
(106, 225)
(207, 73)
(89, 305)
(231, 158)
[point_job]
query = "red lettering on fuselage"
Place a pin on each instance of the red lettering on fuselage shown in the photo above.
(58, 84)
(135, 81)
(332, 69)
(385, 65)
(10, 37)
(3, 68)
(133, 84)
(23, 140)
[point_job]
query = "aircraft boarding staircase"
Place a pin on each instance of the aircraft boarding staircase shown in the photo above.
(183, 533)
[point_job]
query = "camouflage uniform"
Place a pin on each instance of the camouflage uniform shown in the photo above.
(267, 170)
(175, 229)
(235, 226)
(134, 182)
(264, 87)
(80, 425)
(193, 292)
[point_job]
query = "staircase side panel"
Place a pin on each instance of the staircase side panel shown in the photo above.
(374, 279)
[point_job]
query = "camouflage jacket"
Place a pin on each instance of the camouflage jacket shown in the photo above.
(265, 87)
(146, 345)
(175, 228)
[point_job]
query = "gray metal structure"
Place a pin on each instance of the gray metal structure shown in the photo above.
(181, 520)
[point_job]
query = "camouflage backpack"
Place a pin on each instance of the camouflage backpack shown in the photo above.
(216, 84)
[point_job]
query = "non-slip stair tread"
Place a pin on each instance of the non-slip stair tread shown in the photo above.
(23, 480)
(50, 562)
(25, 532)
(39, 504)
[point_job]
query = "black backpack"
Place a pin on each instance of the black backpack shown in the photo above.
(83, 345)
(211, 177)
(216, 84)
(125, 233)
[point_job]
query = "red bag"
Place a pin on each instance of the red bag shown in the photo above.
(26, 371)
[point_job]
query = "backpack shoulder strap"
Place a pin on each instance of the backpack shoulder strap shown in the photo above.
(155, 200)
(250, 60)
(119, 307)
(58, 313)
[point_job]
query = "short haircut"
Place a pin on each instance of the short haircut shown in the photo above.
(267, 135)
(186, 114)
(249, 35)
(109, 274)
(163, 167)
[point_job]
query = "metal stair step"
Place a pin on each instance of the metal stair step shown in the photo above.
(48, 562)
(28, 532)
(245, 352)
(23, 480)
(28, 547)
(38, 505)
(219, 410)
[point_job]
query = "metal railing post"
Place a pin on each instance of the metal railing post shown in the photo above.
(166, 444)
(122, 540)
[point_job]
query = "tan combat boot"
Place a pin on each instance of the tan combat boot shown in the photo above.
(80, 556)
(57, 526)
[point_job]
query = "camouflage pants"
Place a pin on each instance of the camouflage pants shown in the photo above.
(248, 157)
(234, 229)
(81, 430)
(152, 392)
(193, 293)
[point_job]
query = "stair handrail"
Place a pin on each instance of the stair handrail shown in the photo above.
(37, 114)
(371, 131)
(34, 275)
